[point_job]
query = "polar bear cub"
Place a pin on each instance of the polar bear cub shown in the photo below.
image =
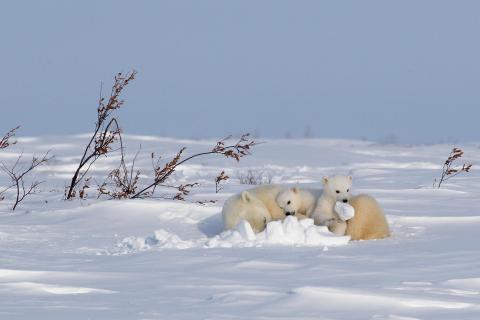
(368, 221)
(283, 201)
(245, 206)
(335, 189)
(296, 202)
(278, 201)
(268, 194)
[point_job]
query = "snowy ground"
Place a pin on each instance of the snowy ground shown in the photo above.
(155, 259)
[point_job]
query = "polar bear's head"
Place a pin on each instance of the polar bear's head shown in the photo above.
(254, 210)
(338, 187)
(290, 201)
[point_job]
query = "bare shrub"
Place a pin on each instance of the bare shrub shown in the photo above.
(18, 173)
(162, 172)
(107, 131)
(449, 170)
(254, 177)
(122, 182)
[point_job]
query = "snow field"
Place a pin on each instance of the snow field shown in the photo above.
(156, 259)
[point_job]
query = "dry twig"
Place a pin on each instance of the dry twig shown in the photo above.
(219, 179)
(5, 141)
(448, 169)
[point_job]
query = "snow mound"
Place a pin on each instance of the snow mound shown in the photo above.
(290, 231)
(344, 210)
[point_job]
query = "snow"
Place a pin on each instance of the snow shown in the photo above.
(158, 259)
(344, 210)
(290, 232)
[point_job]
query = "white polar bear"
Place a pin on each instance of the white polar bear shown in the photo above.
(368, 221)
(247, 207)
(268, 194)
(296, 202)
(335, 189)
(277, 200)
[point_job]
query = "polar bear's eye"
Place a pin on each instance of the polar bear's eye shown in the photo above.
(338, 191)
(288, 202)
(348, 190)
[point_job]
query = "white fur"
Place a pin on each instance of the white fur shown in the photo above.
(297, 202)
(335, 189)
(369, 221)
(266, 203)
(245, 206)
(268, 194)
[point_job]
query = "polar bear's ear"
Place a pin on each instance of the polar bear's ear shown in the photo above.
(350, 177)
(245, 196)
(325, 180)
(295, 190)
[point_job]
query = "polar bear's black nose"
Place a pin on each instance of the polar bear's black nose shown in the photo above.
(345, 200)
(289, 213)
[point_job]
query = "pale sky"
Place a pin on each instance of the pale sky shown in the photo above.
(347, 69)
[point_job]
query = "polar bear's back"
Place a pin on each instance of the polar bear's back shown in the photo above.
(268, 195)
(369, 221)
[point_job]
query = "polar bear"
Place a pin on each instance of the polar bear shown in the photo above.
(335, 189)
(282, 201)
(245, 206)
(296, 202)
(368, 222)
(278, 201)
(268, 194)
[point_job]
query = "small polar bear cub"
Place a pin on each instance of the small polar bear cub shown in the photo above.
(326, 213)
(296, 202)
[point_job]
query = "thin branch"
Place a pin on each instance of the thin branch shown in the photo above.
(448, 169)
(103, 137)
(17, 176)
(5, 140)
(219, 179)
(236, 151)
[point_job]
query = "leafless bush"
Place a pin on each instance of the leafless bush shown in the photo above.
(448, 169)
(122, 182)
(254, 177)
(219, 179)
(106, 133)
(162, 172)
(18, 173)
